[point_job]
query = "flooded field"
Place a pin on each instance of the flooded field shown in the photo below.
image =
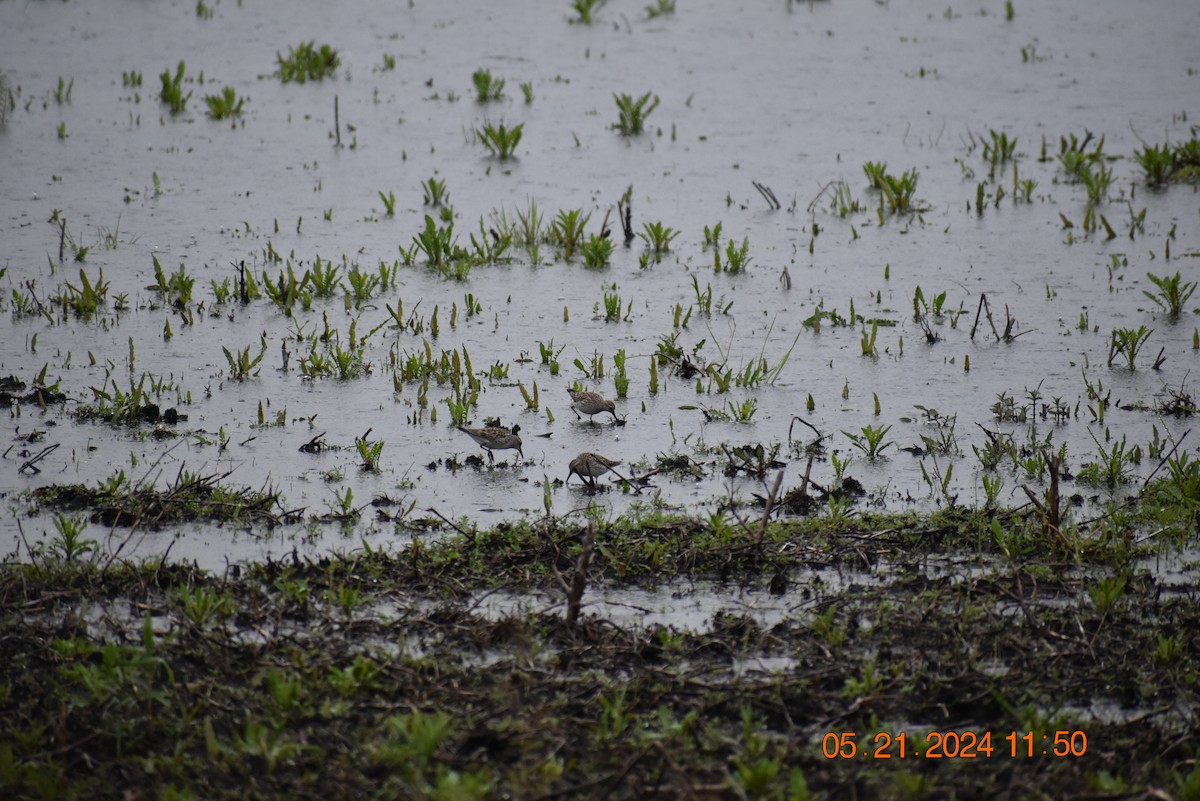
(837, 303)
(841, 267)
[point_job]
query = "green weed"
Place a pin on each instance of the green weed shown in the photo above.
(176, 289)
(584, 9)
(1096, 180)
(658, 238)
(120, 407)
(487, 87)
(241, 364)
(1024, 190)
(435, 192)
(62, 92)
(596, 251)
(490, 247)
(222, 292)
(1107, 592)
(660, 9)
(528, 230)
(868, 340)
(500, 140)
(632, 113)
(307, 62)
(369, 452)
(999, 150)
(871, 441)
(826, 627)
(389, 203)
(287, 290)
(87, 298)
(712, 236)
(1165, 163)
(1112, 469)
(1173, 292)
(566, 231)
(324, 278)
(1157, 162)
(841, 199)
(532, 400)
(992, 485)
(436, 242)
(1127, 342)
(612, 308)
(225, 105)
(200, 606)
(172, 90)
(737, 258)
(743, 412)
(896, 191)
(70, 543)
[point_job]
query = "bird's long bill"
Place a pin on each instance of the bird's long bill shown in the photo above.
(636, 489)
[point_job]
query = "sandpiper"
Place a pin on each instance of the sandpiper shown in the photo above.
(590, 466)
(591, 403)
(495, 439)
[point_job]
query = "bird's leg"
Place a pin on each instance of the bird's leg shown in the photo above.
(577, 417)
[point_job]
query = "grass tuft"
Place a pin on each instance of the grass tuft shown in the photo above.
(487, 88)
(225, 105)
(307, 62)
(172, 89)
(500, 140)
(632, 113)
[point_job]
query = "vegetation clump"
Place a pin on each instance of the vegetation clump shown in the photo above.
(487, 87)
(191, 497)
(632, 113)
(172, 89)
(225, 105)
(1165, 163)
(307, 62)
(500, 140)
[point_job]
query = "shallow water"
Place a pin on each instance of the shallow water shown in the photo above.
(792, 95)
